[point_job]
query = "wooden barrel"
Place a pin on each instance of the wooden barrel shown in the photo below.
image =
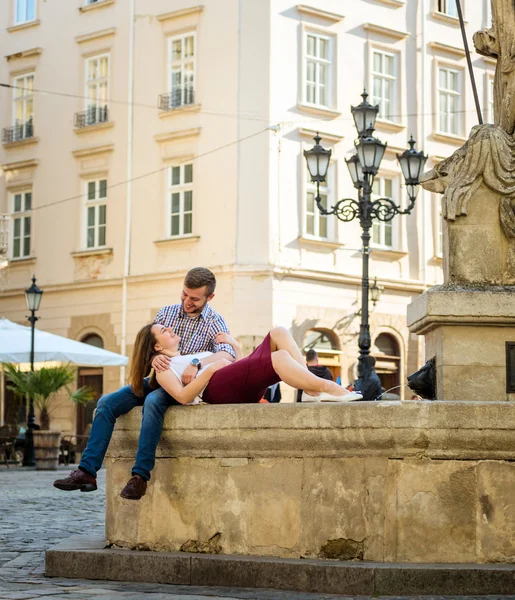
(46, 449)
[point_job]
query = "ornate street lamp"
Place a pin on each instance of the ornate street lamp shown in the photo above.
(363, 167)
(376, 291)
(33, 298)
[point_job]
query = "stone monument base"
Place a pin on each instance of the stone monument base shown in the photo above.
(411, 482)
(466, 330)
(81, 557)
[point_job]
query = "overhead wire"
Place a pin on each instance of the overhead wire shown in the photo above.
(155, 172)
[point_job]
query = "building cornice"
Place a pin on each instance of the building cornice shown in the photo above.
(95, 35)
(455, 50)
(84, 152)
(22, 26)
(321, 14)
(21, 164)
(183, 12)
(24, 54)
(400, 285)
(326, 136)
(386, 31)
(180, 134)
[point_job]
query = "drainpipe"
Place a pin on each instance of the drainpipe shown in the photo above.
(423, 133)
(128, 202)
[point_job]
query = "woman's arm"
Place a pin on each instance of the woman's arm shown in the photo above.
(226, 338)
(169, 381)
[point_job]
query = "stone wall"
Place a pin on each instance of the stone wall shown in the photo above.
(388, 482)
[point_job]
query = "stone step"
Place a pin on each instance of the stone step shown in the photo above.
(84, 557)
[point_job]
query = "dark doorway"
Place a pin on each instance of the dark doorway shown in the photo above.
(388, 361)
(92, 377)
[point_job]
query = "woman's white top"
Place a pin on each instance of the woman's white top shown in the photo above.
(178, 365)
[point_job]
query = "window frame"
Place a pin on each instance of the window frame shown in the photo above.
(331, 62)
(386, 51)
(25, 20)
(330, 187)
(445, 12)
(182, 63)
(87, 82)
(397, 198)
(96, 203)
(22, 215)
(180, 188)
(460, 117)
(23, 100)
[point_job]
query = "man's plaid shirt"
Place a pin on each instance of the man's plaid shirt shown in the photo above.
(197, 333)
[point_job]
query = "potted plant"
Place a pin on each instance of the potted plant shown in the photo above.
(42, 387)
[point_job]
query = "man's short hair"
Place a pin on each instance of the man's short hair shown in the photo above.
(200, 277)
(311, 355)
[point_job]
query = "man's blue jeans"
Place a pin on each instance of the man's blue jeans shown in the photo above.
(112, 406)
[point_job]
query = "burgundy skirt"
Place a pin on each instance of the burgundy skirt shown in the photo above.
(244, 381)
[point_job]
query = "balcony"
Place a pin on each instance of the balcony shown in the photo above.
(94, 115)
(18, 132)
(178, 98)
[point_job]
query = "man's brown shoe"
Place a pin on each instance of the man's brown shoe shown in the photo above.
(135, 489)
(77, 480)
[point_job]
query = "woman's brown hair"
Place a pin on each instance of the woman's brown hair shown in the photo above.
(141, 361)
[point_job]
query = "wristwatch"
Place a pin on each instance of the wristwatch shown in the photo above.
(196, 363)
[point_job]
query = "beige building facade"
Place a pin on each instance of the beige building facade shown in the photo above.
(141, 139)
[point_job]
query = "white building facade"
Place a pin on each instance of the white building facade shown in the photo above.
(142, 139)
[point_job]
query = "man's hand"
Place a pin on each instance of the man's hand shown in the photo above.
(161, 363)
(190, 372)
(225, 338)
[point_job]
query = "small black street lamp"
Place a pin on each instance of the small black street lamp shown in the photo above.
(363, 167)
(33, 298)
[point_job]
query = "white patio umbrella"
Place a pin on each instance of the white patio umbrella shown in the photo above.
(48, 347)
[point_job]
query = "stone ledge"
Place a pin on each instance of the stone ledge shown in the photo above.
(434, 430)
(80, 556)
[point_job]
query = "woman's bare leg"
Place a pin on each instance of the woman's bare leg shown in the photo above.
(281, 339)
(299, 377)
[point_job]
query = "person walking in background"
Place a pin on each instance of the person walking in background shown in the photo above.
(317, 369)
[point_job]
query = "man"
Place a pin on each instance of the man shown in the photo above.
(315, 368)
(197, 324)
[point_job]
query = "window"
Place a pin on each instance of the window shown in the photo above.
(97, 89)
(181, 70)
(382, 232)
(315, 223)
(96, 212)
(21, 224)
(318, 69)
(448, 7)
(23, 111)
(25, 11)
(180, 193)
(449, 101)
(384, 83)
(92, 1)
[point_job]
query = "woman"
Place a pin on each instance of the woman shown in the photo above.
(277, 358)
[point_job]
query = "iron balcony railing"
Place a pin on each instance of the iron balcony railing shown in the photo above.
(176, 98)
(20, 131)
(91, 116)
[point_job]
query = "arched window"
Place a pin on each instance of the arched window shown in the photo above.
(92, 377)
(325, 342)
(388, 361)
(93, 340)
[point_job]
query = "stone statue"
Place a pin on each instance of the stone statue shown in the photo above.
(485, 164)
(499, 42)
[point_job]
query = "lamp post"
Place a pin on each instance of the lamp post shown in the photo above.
(33, 298)
(363, 167)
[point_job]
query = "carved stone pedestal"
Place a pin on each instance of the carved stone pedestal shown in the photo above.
(466, 330)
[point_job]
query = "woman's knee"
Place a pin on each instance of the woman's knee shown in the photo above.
(280, 333)
(279, 356)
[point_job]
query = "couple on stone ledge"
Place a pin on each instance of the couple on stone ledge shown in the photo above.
(194, 358)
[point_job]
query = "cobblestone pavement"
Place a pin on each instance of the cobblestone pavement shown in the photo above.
(35, 516)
